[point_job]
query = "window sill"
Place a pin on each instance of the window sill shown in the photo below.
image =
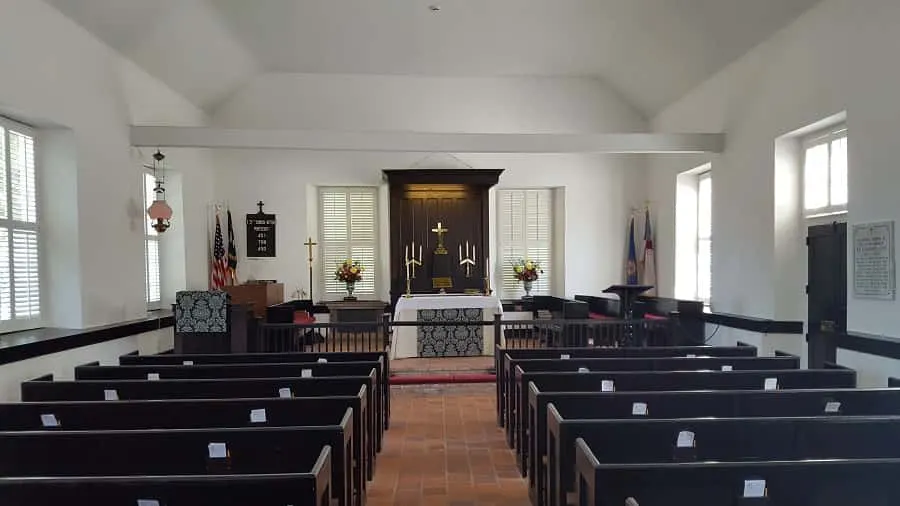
(825, 214)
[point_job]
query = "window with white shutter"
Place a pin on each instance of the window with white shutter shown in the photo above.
(152, 281)
(348, 229)
(20, 281)
(525, 232)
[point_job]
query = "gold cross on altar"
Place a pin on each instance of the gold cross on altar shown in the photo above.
(309, 245)
(440, 231)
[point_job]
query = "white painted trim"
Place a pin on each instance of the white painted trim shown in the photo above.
(425, 142)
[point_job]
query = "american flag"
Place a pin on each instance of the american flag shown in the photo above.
(219, 262)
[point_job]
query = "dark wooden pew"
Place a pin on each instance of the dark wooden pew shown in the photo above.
(501, 354)
(258, 358)
(309, 488)
(174, 452)
(94, 371)
(714, 439)
(692, 404)
(45, 389)
(671, 380)
(835, 482)
(640, 364)
(197, 414)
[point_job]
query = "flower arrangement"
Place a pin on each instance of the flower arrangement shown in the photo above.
(527, 270)
(348, 271)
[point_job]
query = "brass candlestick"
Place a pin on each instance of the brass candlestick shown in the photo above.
(411, 264)
(466, 259)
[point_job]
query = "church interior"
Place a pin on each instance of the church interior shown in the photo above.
(449, 253)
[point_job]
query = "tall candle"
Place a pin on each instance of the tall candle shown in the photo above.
(420, 252)
(473, 252)
(406, 254)
(460, 252)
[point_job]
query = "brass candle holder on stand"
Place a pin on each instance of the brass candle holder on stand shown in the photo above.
(411, 264)
(466, 259)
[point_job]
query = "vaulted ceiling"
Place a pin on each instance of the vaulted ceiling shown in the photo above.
(651, 51)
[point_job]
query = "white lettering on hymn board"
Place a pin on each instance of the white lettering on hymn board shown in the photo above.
(285, 393)
(49, 420)
(218, 450)
(754, 489)
(306, 373)
(564, 356)
(639, 409)
(258, 415)
(147, 502)
(770, 384)
(685, 439)
(607, 386)
(110, 395)
(152, 376)
(832, 407)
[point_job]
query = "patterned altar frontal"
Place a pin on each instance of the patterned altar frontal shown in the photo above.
(450, 340)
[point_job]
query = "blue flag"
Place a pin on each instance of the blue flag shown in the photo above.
(631, 273)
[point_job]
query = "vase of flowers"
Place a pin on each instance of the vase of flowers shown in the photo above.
(349, 272)
(527, 271)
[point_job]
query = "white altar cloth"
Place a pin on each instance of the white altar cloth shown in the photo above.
(404, 341)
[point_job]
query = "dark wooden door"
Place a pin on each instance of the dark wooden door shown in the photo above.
(826, 290)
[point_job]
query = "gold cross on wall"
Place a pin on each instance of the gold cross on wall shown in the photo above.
(440, 231)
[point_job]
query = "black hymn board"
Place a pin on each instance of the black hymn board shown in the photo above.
(260, 233)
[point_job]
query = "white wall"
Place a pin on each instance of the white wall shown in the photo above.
(60, 76)
(599, 190)
(833, 59)
(830, 60)
(62, 364)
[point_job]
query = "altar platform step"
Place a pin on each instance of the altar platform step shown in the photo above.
(440, 379)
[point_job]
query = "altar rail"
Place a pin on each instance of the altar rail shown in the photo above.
(331, 337)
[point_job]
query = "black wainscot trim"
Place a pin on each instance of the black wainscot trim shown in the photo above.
(16, 346)
(753, 324)
(869, 344)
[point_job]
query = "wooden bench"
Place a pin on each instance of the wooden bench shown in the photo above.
(836, 482)
(714, 439)
(95, 371)
(309, 488)
(501, 355)
(260, 358)
(711, 403)
(45, 389)
(175, 452)
(575, 364)
(187, 414)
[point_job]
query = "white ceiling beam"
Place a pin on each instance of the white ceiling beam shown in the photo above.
(317, 140)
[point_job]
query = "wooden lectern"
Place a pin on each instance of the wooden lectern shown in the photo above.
(257, 296)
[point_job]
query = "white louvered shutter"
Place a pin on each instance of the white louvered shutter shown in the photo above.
(152, 268)
(20, 281)
(525, 232)
(348, 230)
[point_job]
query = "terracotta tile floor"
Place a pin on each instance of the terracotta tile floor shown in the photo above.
(445, 449)
(454, 364)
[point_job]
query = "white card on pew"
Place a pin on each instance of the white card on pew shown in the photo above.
(322, 361)
(583, 369)
(285, 393)
(258, 415)
(590, 341)
(727, 368)
(607, 386)
(152, 376)
(188, 362)
(832, 407)
(564, 356)
(110, 395)
(771, 384)
(218, 450)
(754, 488)
(685, 439)
(639, 409)
(49, 420)
(147, 502)
(306, 373)
(691, 355)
